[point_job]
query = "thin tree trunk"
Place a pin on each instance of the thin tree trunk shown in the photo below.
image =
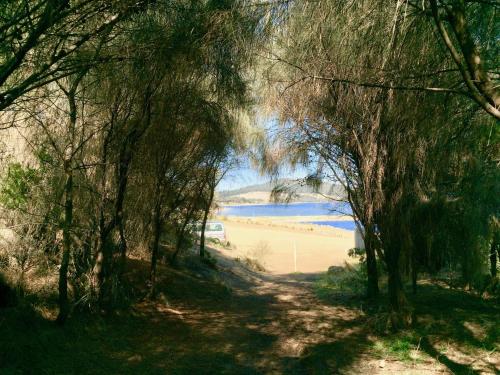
(157, 224)
(105, 253)
(104, 257)
(123, 248)
(475, 78)
(371, 264)
(471, 54)
(204, 223)
(63, 271)
(414, 277)
(178, 244)
(414, 268)
(493, 259)
(98, 271)
(68, 202)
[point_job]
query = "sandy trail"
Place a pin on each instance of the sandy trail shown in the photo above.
(262, 323)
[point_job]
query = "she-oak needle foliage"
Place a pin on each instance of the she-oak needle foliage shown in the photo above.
(120, 118)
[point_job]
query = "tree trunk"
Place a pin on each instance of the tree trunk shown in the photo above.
(204, 223)
(157, 224)
(104, 257)
(123, 245)
(414, 278)
(68, 202)
(104, 260)
(400, 312)
(414, 270)
(178, 244)
(471, 54)
(371, 264)
(63, 270)
(99, 257)
(493, 258)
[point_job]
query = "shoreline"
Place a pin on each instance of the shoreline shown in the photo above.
(235, 204)
(302, 219)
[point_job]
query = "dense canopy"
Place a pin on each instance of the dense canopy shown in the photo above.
(120, 118)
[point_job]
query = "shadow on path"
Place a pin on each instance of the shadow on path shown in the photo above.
(230, 321)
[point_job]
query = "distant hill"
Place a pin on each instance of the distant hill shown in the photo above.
(261, 193)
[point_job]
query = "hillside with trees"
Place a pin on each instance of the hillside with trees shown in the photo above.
(296, 191)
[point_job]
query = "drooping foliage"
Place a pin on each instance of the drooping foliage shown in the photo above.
(369, 98)
(133, 139)
(123, 117)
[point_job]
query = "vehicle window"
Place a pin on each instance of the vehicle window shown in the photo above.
(215, 227)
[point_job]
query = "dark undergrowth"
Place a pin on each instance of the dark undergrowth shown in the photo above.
(128, 341)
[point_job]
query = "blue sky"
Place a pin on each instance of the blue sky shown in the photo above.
(239, 177)
(245, 174)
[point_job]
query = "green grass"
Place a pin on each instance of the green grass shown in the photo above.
(404, 348)
(341, 280)
(451, 325)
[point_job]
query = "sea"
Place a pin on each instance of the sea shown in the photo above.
(332, 209)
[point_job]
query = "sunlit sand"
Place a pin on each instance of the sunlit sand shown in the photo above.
(285, 245)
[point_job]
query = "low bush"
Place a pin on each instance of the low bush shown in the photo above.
(349, 278)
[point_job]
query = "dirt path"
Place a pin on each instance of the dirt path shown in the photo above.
(235, 321)
(266, 324)
(271, 325)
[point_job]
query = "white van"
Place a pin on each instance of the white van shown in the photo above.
(213, 230)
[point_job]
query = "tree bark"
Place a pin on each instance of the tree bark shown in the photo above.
(204, 223)
(371, 264)
(180, 238)
(68, 201)
(105, 253)
(471, 53)
(414, 277)
(475, 78)
(400, 312)
(157, 225)
(123, 247)
(63, 270)
(494, 249)
(99, 257)
(104, 257)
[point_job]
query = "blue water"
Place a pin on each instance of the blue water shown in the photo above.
(292, 209)
(349, 225)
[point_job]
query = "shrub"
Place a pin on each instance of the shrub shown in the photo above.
(4, 260)
(17, 185)
(350, 278)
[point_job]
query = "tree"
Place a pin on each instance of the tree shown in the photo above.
(38, 40)
(361, 96)
(155, 81)
(466, 29)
